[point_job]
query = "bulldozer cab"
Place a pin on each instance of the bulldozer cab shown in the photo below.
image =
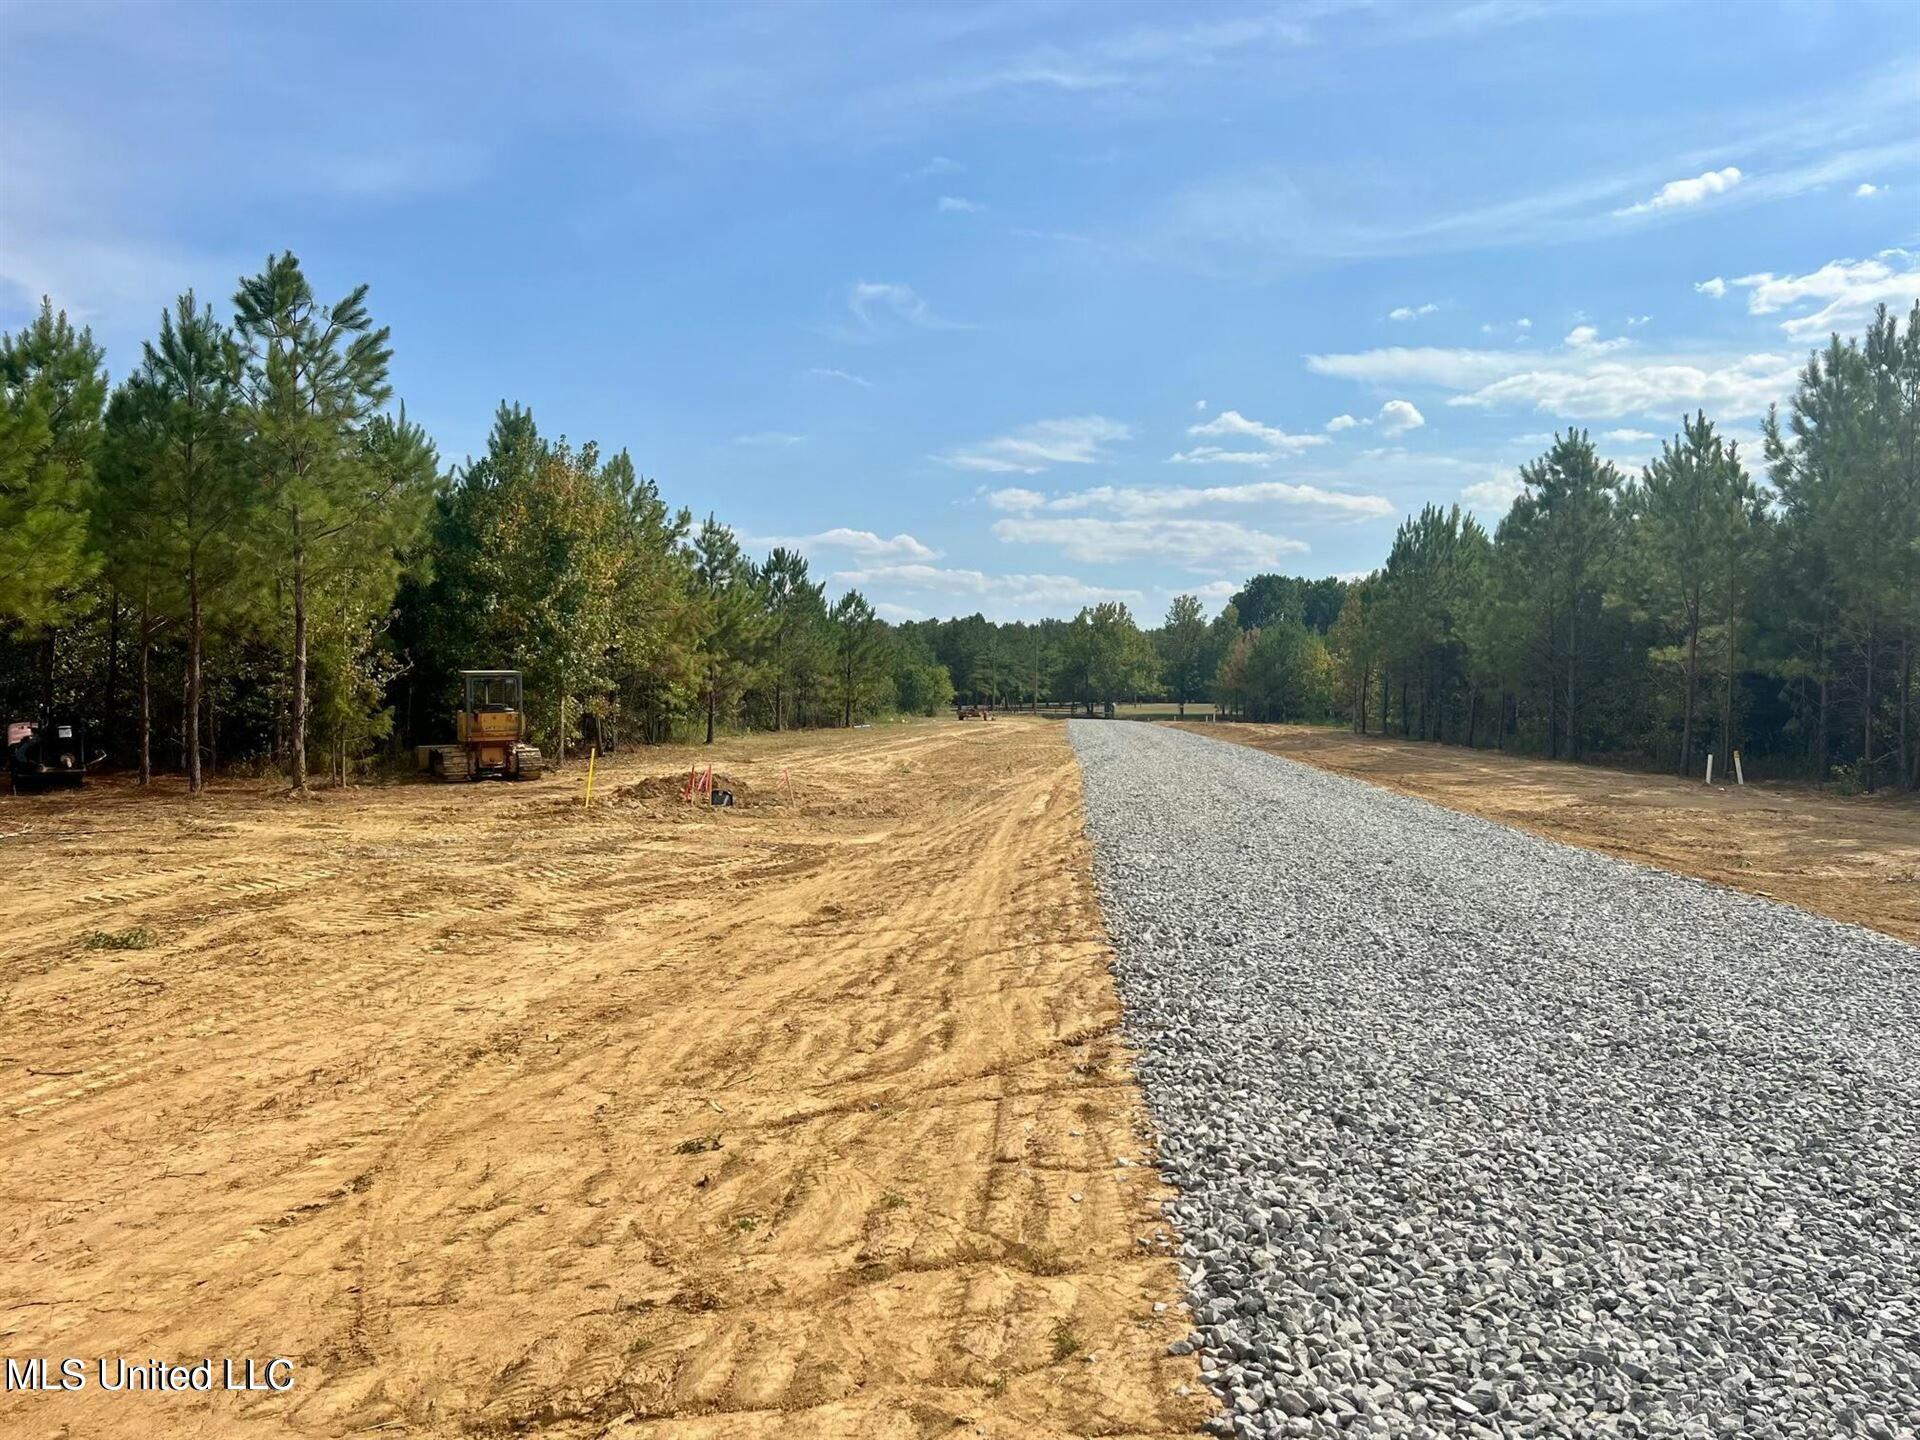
(490, 713)
(493, 691)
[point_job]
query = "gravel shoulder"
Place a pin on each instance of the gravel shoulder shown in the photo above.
(1478, 1134)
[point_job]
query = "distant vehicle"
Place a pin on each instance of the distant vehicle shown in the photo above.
(489, 733)
(42, 757)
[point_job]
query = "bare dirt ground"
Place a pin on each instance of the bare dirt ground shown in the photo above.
(1854, 859)
(500, 1116)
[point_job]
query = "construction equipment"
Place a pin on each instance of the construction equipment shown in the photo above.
(489, 733)
(41, 757)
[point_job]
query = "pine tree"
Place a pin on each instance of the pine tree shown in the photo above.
(314, 376)
(53, 394)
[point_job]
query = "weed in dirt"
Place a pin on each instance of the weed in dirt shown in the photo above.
(746, 1224)
(698, 1145)
(1066, 1341)
(641, 1344)
(136, 938)
(893, 1200)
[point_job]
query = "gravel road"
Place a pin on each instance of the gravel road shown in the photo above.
(1482, 1135)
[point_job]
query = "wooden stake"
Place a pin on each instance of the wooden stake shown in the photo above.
(592, 755)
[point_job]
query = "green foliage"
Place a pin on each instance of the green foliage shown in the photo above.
(248, 545)
(53, 393)
(1184, 649)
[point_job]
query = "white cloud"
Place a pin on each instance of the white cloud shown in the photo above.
(887, 610)
(1411, 312)
(1010, 592)
(1231, 424)
(1864, 190)
(1493, 497)
(776, 439)
(864, 543)
(1577, 382)
(827, 372)
(1215, 590)
(1199, 404)
(1677, 194)
(1713, 289)
(1211, 543)
(1075, 440)
(1634, 322)
(1628, 437)
(871, 299)
(1607, 390)
(1416, 365)
(957, 205)
(1139, 501)
(883, 308)
(1342, 422)
(1016, 499)
(1850, 288)
(938, 165)
(1399, 416)
(1585, 337)
(1525, 322)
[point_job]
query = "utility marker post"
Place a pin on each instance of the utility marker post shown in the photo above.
(1709, 767)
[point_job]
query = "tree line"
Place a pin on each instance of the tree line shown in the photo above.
(245, 553)
(1711, 603)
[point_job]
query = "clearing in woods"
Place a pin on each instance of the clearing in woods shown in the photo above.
(497, 1115)
(1854, 859)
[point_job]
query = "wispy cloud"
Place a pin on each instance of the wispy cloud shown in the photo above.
(1713, 289)
(1274, 442)
(938, 165)
(1576, 382)
(1411, 312)
(1210, 543)
(1019, 593)
(1864, 190)
(958, 205)
(864, 543)
(1676, 194)
(1851, 289)
(1073, 440)
(1146, 500)
(828, 372)
(770, 439)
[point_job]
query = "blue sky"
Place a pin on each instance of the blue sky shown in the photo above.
(1006, 307)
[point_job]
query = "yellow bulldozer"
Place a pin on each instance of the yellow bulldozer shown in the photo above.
(489, 733)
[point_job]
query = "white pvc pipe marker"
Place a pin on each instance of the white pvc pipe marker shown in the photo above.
(1709, 767)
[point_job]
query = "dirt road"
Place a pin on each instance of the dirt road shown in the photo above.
(1852, 859)
(498, 1116)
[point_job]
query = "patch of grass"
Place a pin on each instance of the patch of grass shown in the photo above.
(745, 1224)
(641, 1344)
(893, 1200)
(698, 1145)
(136, 938)
(1066, 1341)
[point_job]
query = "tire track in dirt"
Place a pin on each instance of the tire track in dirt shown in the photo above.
(798, 1120)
